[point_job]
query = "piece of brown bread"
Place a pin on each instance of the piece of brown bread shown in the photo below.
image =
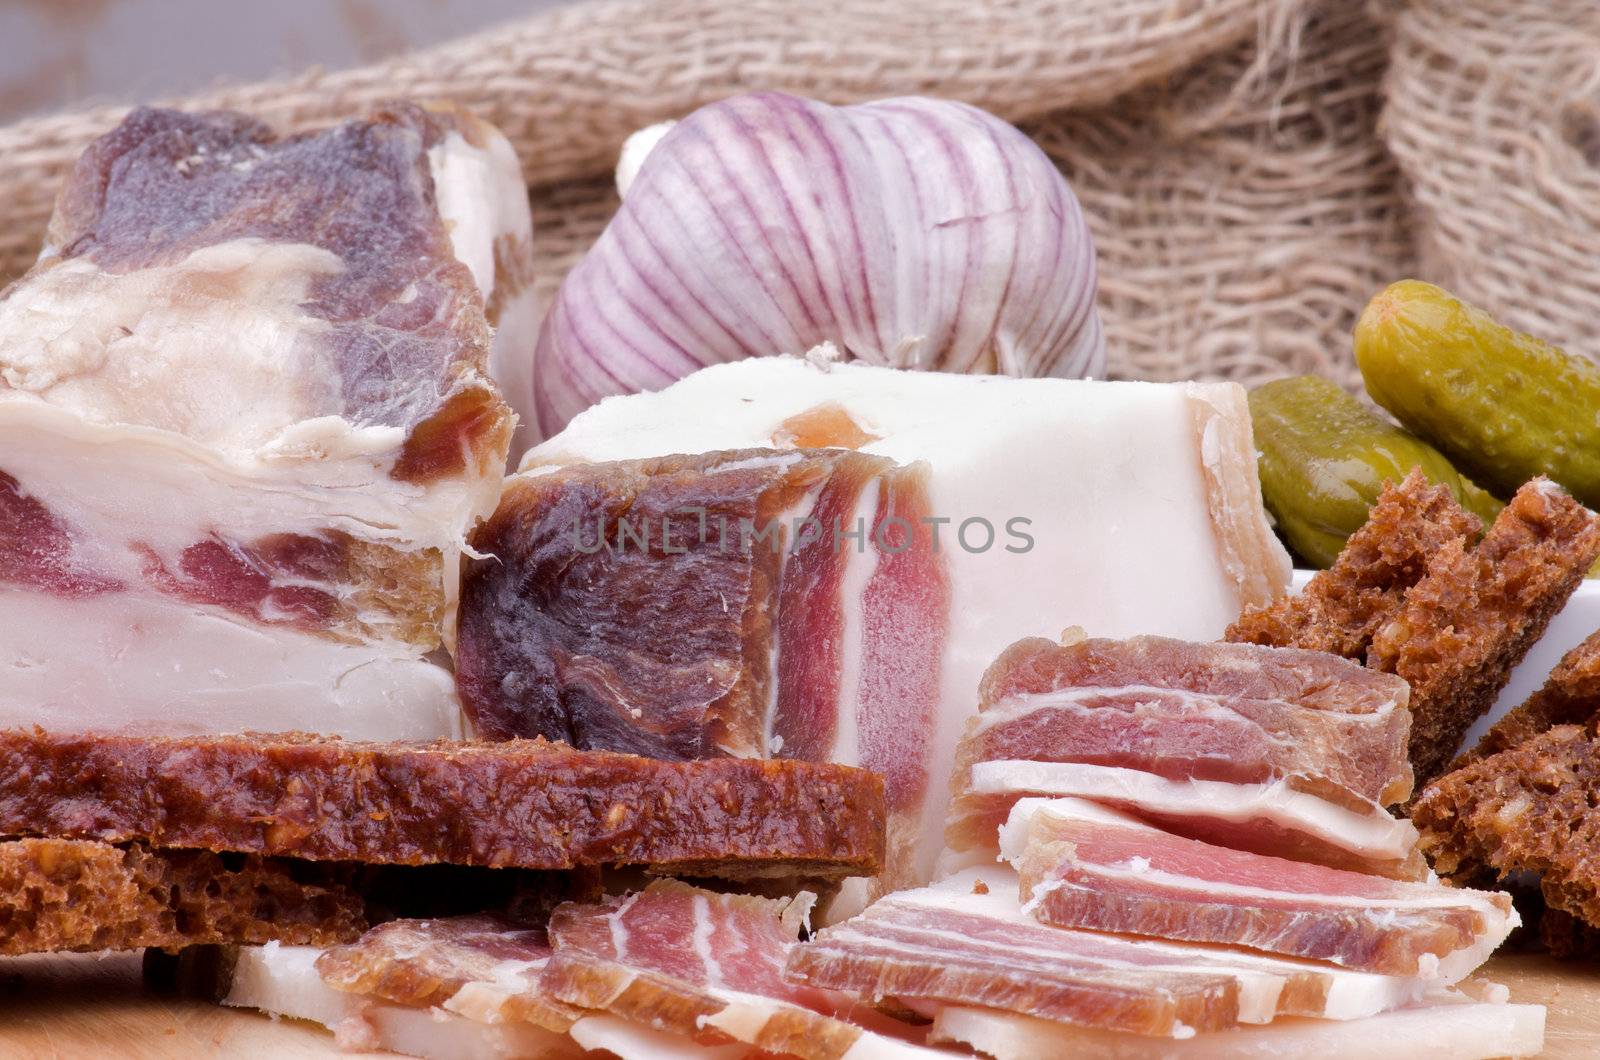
(1473, 616)
(1411, 595)
(1342, 607)
(1530, 808)
(520, 803)
(62, 894)
(1567, 936)
(1569, 696)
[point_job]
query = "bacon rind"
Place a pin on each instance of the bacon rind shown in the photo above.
(910, 951)
(967, 940)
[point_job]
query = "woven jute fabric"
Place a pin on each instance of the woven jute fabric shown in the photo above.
(1494, 115)
(1229, 153)
(1245, 212)
(568, 86)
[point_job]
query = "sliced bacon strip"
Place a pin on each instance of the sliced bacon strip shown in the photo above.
(1230, 712)
(479, 966)
(285, 981)
(967, 941)
(708, 966)
(1288, 817)
(1084, 866)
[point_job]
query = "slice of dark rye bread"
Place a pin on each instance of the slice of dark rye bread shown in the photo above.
(1531, 808)
(514, 804)
(83, 894)
(78, 895)
(1569, 696)
(1493, 814)
(1412, 596)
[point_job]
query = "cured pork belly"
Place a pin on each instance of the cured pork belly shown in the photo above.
(967, 941)
(1279, 818)
(706, 966)
(1230, 712)
(713, 605)
(1084, 866)
(1448, 1029)
(1122, 507)
(1275, 751)
(246, 419)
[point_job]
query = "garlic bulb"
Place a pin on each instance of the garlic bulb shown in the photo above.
(912, 232)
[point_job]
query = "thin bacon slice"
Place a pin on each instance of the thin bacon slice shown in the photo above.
(1085, 866)
(1231, 712)
(478, 966)
(967, 941)
(708, 966)
(1280, 818)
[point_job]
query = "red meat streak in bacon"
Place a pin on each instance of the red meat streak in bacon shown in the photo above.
(902, 634)
(36, 548)
(241, 579)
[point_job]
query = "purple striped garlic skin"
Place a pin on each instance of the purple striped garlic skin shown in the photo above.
(914, 233)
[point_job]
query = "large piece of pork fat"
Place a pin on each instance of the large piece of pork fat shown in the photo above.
(1121, 507)
(1083, 865)
(246, 419)
(1443, 1030)
(966, 940)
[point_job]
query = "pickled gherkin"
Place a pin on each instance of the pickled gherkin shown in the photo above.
(1503, 406)
(1325, 457)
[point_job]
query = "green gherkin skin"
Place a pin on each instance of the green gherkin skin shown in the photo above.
(1325, 457)
(1503, 406)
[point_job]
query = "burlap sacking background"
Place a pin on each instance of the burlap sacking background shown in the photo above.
(1253, 170)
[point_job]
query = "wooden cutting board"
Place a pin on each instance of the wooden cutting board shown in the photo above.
(64, 1008)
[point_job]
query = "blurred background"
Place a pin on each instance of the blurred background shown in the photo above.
(54, 53)
(1253, 171)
